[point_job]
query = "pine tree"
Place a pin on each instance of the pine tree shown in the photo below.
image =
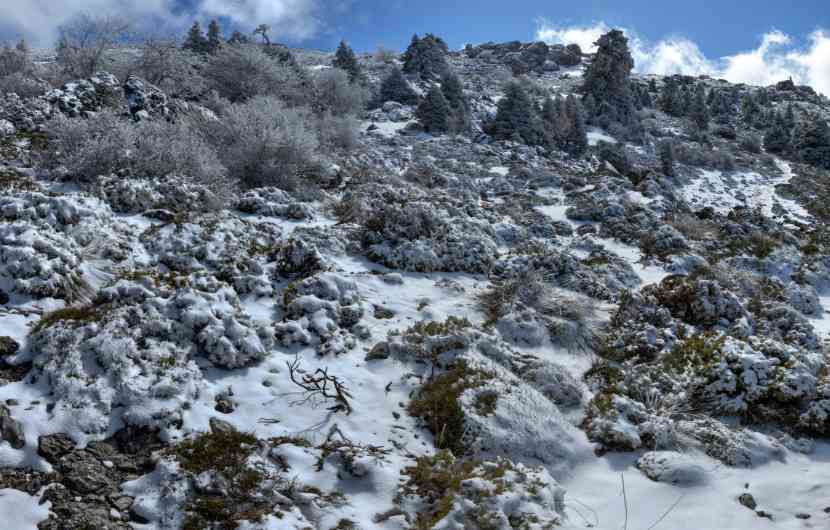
(434, 112)
(666, 152)
(214, 37)
(608, 78)
(195, 41)
(516, 117)
(811, 141)
(395, 88)
(346, 60)
(576, 138)
(777, 137)
(551, 121)
(699, 111)
(453, 90)
(671, 99)
(426, 57)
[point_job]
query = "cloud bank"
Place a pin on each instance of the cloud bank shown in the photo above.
(38, 20)
(778, 56)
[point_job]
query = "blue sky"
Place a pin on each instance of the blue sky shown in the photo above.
(756, 42)
(720, 28)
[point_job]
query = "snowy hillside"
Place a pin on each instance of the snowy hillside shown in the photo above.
(402, 317)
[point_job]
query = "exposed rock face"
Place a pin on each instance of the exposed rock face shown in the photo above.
(522, 58)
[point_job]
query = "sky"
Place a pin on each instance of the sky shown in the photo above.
(751, 41)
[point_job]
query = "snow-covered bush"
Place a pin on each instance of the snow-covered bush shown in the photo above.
(243, 71)
(105, 144)
(444, 492)
(264, 143)
(337, 94)
(136, 345)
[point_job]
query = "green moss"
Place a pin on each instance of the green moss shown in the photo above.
(437, 404)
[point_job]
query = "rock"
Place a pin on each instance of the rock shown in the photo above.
(746, 499)
(4, 298)
(53, 447)
(671, 468)
(84, 473)
(379, 352)
(224, 405)
(11, 430)
(391, 106)
(392, 278)
(7, 128)
(8, 346)
(383, 312)
(804, 516)
(217, 425)
(144, 99)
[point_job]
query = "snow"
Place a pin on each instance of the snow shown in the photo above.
(387, 129)
(783, 489)
(595, 136)
(20, 511)
(500, 170)
(725, 191)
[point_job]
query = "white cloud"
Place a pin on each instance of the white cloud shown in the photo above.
(777, 57)
(38, 20)
(585, 36)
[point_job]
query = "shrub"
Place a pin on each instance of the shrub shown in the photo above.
(437, 404)
(174, 70)
(243, 71)
(105, 144)
(385, 55)
(337, 95)
(263, 143)
(22, 85)
(84, 41)
(88, 148)
(339, 132)
(14, 60)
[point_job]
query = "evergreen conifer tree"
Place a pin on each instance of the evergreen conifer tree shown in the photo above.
(214, 37)
(516, 117)
(345, 59)
(434, 112)
(698, 110)
(666, 152)
(195, 41)
(608, 79)
(395, 88)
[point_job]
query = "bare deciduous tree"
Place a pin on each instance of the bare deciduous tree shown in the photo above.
(85, 40)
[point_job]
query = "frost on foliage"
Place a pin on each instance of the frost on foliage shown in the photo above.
(234, 249)
(45, 242)
(136, 195)
(136, 348)
(427, 233)
(274, 202)
(444, 493)
(321, 310)
(504, 403)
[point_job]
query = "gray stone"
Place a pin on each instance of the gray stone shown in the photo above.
(53, 447)
(8, 346)
(11, 430)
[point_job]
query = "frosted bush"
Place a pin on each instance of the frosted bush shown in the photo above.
(263, 143)
(244, 71)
